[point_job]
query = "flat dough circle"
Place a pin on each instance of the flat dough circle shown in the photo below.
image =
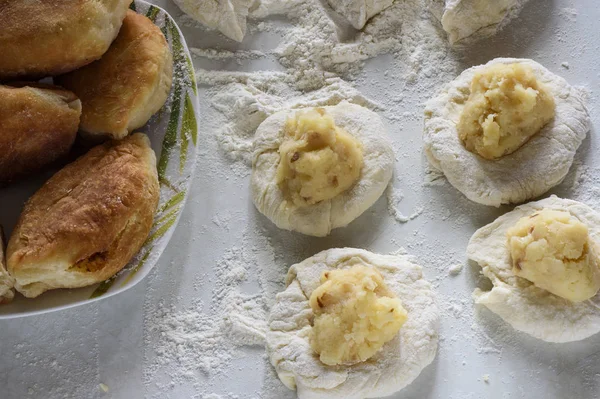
(319, 219)
(524, 306)
(540, 164)
(399, 362)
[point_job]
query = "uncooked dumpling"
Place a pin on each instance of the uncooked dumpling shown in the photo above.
(542, 261)
(340, 284)
(317, 169)
(505, 168)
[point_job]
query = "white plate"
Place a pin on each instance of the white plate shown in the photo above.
(173, 133)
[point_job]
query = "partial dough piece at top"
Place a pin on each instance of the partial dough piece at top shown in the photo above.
(540, 164)
(395, 366)
(358, 12)
(519, 302)
(320, 218)
(228, 16)
(475, 19)
(130, 83)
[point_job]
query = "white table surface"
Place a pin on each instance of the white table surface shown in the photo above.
(69, 353)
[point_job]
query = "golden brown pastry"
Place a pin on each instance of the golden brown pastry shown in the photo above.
(43, 38)
(38, 124)
(88, 220)
(6, 281)
(131, 82)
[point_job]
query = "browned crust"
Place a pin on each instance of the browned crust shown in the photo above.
(6, 282)
(92, 216)
(122, 84)
(38, 124)
(44, 38)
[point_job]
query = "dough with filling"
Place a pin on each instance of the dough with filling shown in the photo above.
(87, 222)
(38, 125)
(46, 38)
(388, 370)
(539, 164)
(352, 138)
(519, 301)
(128, 85)
(474, 19)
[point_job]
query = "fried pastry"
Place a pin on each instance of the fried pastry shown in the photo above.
(6, 281)
(88, 221)
(45, 38)
(38, 124)
(129, 84)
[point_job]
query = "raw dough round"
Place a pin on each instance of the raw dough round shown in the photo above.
(533, 169)
(524, 306)
(319, 219)
(475, 19)
(398, 363)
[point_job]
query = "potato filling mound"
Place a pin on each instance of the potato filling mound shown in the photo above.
(506, 107)
(318, 160)
(355, 315)
(553, 250)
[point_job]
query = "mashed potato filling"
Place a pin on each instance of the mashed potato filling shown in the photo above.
(318, 159)
(506, 107)
(553, 250)
(355, 315)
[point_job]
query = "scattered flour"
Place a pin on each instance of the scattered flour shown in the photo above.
(200, 340)
(394, 197)
(322, 64)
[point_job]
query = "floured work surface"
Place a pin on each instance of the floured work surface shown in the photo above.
(206, 304)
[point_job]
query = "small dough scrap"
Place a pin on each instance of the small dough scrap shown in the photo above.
(552, 249)
(530, 171)
(228, 16)
(318, 159)
(518, 301)
(358, 12)
(355, 125)
(355, 315)
(475, 19)
(507, 106)
(400, 360)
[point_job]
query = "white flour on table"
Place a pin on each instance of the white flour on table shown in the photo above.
(322, 65)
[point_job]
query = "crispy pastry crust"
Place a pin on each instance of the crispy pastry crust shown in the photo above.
(129, 84)
(88, 221)
(38, 124)
(45, 38)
